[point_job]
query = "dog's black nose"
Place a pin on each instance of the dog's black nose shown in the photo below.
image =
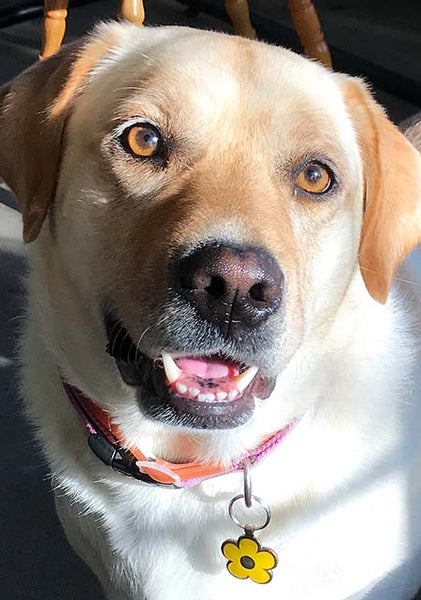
(231, 286)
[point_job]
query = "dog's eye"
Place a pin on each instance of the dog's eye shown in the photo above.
(142, 140)
(314, 178)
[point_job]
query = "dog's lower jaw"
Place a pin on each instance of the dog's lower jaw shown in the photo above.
(199, 391)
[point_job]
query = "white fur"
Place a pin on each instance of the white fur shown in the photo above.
(343, 488)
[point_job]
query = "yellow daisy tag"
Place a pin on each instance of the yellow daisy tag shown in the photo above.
(247, 559)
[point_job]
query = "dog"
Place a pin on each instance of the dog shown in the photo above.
(214, 226)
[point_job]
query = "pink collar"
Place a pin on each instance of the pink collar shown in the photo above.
(109, 445)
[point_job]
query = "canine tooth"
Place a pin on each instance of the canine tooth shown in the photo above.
(210, 397)
(202, 397)
(194, 392)
(221, 395)
(246, 378)
(233, 394)
(180, 387)
(171, 370)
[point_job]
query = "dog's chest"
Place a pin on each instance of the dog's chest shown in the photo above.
(170, 547)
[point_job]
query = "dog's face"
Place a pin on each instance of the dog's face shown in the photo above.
(214, 206)
(207, 210)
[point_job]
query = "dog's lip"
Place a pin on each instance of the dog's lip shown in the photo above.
(206, 392)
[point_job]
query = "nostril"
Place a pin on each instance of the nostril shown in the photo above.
(259, 293)
(217, 287)
(192, 281)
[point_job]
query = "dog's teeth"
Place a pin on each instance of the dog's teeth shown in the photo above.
(202, 397)
(233, 394)
(194, 392)
(181, 388)
(246, 378)
(210, 397)
(221, 395)
(171, 370)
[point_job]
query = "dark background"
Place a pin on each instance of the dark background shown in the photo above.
(376, 38)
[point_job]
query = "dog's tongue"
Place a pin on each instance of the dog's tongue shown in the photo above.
(206, 379)
(207, 368)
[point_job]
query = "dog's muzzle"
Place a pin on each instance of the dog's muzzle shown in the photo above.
(228, 293)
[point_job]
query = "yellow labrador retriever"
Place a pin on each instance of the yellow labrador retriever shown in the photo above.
(220, 376)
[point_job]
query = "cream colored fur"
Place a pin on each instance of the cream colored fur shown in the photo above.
(345, 486)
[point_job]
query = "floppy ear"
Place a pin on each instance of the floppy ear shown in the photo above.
(411, 127)
(392, 174)
(33, 112)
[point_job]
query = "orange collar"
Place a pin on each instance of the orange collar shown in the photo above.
(110, 446)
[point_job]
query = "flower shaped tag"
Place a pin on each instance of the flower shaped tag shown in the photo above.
(248, 560)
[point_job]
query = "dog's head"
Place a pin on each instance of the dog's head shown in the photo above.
(207, 203)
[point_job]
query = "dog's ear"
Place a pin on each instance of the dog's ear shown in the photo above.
(411, 127)
(392, 180)
(33, 112)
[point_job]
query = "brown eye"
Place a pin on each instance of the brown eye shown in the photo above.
(142, 141)
(314, 179)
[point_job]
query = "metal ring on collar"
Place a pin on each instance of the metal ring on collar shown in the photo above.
(256, 499)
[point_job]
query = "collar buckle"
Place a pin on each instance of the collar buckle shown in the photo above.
(119, 459)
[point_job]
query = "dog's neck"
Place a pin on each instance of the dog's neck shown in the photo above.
(110, 446)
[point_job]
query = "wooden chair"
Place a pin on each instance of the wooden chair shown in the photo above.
(303, 14)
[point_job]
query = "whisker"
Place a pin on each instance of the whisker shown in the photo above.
(121, 342)
(400, 279)
(15, 318)
(406, 281)
(126, 335)
(142, 335)
(116, 324)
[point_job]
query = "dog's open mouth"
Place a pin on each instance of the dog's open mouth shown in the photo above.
(206, 392)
